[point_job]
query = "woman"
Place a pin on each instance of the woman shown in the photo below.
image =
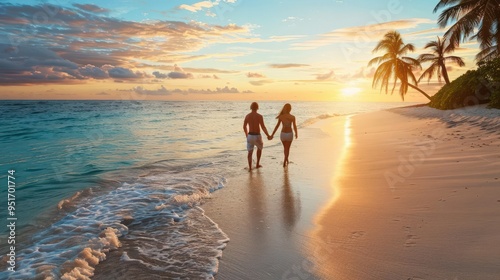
(286, 135)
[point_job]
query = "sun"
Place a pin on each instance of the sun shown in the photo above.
(349, 91)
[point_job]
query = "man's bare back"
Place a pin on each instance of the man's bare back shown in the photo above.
(254, 120)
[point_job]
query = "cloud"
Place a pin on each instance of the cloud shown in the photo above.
(27, 56)
(141, 90)
(430, 31)
(209, 77)
(84, 57)
(327, 76)
(173, 75)
(209, 70)
(92, 71)
(77, 41)
(226, 89)
(31, 65)
(163, 91)
(197, 6)
(159, 75)
(362, 73)
(360, 34)
(177, 73)
(287, 65)
(260, 82)
(255, 75)
(91, 8)
(123, 73)
(291, 19)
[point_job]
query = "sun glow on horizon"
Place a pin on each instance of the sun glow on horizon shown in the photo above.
(349, 91)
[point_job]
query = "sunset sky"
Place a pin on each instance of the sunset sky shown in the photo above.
(206, 50)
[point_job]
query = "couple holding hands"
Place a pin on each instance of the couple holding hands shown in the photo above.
(254, 122)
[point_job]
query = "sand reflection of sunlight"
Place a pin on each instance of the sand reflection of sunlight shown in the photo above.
(322, 248)
(338, 168)
(347, 134)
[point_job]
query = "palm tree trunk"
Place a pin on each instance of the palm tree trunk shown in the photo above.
(445, 73)
(421, 91)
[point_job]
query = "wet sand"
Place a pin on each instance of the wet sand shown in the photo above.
(268, 213)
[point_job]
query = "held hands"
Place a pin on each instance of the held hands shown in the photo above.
(269, 137)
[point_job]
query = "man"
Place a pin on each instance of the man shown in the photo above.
(254, 121)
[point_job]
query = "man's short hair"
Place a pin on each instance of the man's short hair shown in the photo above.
(254, 106)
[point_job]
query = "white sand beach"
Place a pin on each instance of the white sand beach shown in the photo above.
(419, 198)
(408, 193)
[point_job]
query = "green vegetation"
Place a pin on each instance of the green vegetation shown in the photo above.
(472, 88)
(490, 73)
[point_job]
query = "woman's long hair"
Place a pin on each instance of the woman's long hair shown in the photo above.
(286, 110)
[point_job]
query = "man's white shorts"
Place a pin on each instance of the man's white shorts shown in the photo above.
(254, 140)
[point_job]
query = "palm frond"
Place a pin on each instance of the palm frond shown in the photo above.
(381, 74)
(456, 12)
(429, 72)
(431, 44)
(488, 53)
(464, 27)
(411, 61)
(379, 59)
(406, 48)
(412, 77)
(448, 47)
(455, 59)
(426, 57)
(443, 3)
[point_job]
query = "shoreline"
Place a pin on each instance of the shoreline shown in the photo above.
(268, 213)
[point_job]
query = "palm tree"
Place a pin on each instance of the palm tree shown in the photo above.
(437, 58)
(394, 66)
(480, 16)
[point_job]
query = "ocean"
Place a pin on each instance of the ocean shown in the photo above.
(114, 188)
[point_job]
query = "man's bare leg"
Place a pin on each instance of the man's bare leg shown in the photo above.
(259, 154)
(250, 160)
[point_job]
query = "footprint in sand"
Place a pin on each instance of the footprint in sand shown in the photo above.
(411, 240)
(356, 234)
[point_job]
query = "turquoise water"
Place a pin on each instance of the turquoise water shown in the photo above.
(94, 177)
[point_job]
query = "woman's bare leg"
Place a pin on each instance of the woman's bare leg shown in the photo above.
(286, 146)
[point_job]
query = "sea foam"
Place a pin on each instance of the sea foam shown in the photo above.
(157, 216)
